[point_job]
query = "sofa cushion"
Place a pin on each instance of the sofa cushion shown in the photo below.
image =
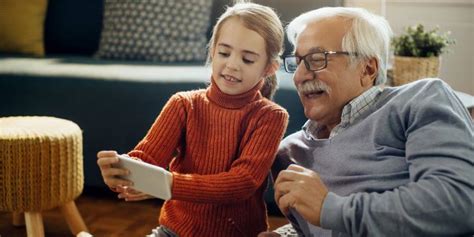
(73, 26)
(89, 68)
(155, 30)
(21, 24)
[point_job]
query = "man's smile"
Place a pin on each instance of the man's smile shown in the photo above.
(312, 89)
(314, 94)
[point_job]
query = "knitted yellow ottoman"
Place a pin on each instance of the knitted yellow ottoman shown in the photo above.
(40, 168)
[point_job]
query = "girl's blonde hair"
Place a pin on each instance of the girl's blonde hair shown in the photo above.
(266, 23)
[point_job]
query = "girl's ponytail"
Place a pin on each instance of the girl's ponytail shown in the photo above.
(269, 87)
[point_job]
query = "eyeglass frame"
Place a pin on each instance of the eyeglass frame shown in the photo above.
(307, 65)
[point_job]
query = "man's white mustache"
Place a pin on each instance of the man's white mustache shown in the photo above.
(312, 86)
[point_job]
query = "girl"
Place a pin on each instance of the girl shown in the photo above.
(219, 142)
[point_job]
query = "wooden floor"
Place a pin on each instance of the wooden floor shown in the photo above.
(104, 215)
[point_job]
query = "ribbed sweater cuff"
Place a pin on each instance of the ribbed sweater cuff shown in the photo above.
(181, 186)
(331, 213)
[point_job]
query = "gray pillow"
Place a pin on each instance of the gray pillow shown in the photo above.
(155, 30)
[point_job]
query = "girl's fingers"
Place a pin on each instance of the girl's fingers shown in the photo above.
(133, 191)
(133, 197)
(137, 198)
(103, 154)
(105, 162)
(115, 172)
(115, 183)
(121, 189)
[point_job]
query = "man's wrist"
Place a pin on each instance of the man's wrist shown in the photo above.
(319, 211)
(331, 216)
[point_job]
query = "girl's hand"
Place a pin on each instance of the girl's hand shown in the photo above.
(105, 160)
(130, 194)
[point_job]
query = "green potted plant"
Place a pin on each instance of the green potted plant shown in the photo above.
(417, 53)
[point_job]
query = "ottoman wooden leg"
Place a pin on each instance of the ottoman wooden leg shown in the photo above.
(18, 219)
(73, 218)
(34, 224)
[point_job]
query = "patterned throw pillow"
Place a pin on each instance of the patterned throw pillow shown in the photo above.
(155, 30)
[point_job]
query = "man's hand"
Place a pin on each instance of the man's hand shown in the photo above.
(301, 189)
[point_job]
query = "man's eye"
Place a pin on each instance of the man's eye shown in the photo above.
(247, 61)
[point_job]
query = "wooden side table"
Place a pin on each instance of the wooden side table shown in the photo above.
(40, 168)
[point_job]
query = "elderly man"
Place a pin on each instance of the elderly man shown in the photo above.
(370, 161)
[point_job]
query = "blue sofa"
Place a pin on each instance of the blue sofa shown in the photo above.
(114, 102)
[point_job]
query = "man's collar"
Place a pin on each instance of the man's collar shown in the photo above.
(350, 112)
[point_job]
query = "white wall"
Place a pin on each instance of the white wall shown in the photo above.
(457, 16)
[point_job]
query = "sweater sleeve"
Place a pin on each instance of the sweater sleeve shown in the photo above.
(438, 200)
(247, 172)
(162, 139)
(282, 161)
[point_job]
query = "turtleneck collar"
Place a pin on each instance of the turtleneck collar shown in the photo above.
(233, 101)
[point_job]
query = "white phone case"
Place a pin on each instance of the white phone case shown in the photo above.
(146, 178)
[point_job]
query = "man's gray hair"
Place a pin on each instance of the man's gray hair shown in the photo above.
(369, 34)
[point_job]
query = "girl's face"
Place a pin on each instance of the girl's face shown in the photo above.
(239, 59)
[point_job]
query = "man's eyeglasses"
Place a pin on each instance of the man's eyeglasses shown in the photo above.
(312, 61)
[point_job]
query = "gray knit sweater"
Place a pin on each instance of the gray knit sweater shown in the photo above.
(404, 168)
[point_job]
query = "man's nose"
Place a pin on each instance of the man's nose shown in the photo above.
(302, 74)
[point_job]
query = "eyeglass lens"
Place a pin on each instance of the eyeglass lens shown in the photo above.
(312, 62)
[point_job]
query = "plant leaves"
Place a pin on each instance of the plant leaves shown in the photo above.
(416, 42)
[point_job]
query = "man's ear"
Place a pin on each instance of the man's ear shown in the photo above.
(271, 68)
(369, 72)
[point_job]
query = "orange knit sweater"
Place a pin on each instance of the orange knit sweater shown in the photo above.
(220, 149)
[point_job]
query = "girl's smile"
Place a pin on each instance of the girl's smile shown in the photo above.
(231, 79)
